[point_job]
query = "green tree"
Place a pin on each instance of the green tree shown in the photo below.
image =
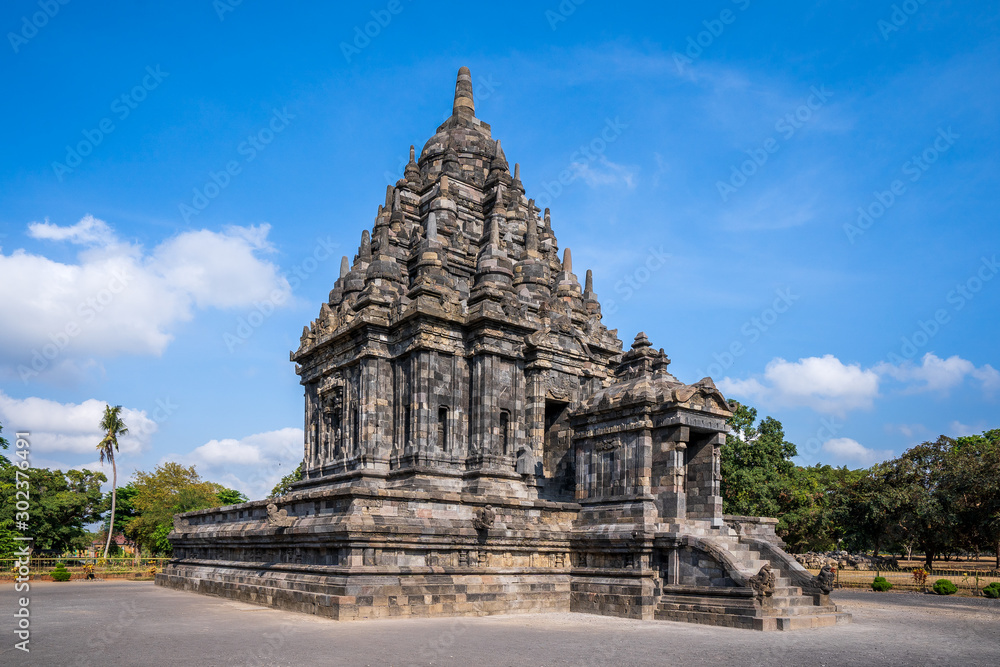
(62, 504)
(125, 511)
(973, 478)
(229, 496)
(870, 509)
(3, 445)
(285, 485)
(171, 488)
(809, 519)
(928, 515)
(7, 542)
(113, 426)
(756, 465)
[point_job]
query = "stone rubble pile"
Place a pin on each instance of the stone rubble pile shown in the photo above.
(843, 560)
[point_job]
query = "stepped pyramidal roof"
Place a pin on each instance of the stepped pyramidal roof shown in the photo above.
(459, 237)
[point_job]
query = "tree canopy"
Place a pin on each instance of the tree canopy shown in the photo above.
(285, 485)
(171, 488)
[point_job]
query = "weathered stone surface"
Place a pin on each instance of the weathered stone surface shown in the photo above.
(477, 442)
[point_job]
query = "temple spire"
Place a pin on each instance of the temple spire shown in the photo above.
(567, 261)
(463, 94)
(345, 266)
(589, 284)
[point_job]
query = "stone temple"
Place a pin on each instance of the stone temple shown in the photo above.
(477, 442)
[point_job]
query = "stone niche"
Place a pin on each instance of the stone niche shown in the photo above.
(477, 441)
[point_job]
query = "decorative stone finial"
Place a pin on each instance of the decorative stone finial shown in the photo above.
(432, 227)
(345, 266)
(388, 196)
(412, 170)
(531, 236)
(548, 220)
(366, 247)
(589, 283)
(641, 341)
(567, 261)
(494, 232)
(464, 104)
(499, 162)
(517, 168)
(499, 208)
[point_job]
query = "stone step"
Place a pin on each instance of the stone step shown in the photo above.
(806, 622)
(766, 623)
(810, 610)
(787, 590)
(792, 600)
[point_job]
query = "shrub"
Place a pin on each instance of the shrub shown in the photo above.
(881, 584)
(60, 573)
(945, 587)
(920, 576)
(993, 590)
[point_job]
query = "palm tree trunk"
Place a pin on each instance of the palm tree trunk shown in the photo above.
(114, 494)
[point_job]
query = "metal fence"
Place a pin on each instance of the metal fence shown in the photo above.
(80, 567)
(967, 581)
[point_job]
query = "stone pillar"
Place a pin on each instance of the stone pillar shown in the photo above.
(640, 481)
(534, 413)
(703, 493)
(311, 426)
(715, 492)
(668, 473)
(481, 407)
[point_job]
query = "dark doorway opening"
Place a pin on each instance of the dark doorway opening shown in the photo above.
(560, 471)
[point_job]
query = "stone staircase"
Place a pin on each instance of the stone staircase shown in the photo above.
(787, 608)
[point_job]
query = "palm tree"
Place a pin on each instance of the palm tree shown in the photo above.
(113, 426)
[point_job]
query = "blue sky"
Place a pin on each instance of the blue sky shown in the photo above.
(177, 187)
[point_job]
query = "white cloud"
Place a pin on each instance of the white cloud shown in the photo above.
(253, 464)
(824, 384)
(939, 375)
(71, 428)
(847, 449)
(118, 299)
(830, 386)
(957, 429)
(88, 230)
(908, 430)
(988, 376)
(603, 172)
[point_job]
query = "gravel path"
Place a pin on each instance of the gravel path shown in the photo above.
(137, 623)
